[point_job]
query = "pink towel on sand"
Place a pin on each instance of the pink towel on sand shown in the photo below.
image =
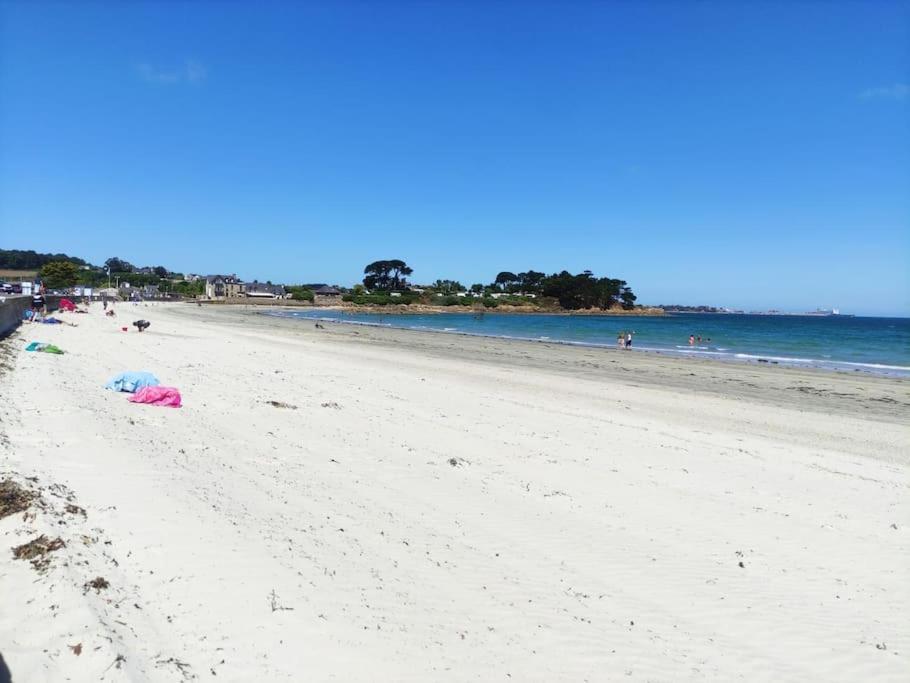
(157, 396)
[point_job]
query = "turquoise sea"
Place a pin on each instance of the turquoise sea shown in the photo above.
(876, 345)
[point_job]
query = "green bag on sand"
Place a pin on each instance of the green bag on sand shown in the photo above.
(50, 348)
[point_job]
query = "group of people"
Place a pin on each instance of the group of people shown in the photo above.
(38, 311)
(624, 340)
(693, 339)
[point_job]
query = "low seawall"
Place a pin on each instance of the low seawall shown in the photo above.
(12, 308)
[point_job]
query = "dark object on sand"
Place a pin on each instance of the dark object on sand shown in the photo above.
(99, 583)
(14, 498)
(37, 550)
(282, 404)
(141, 324)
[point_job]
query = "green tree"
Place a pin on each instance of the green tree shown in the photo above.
(59, 274)
(386, 276)
(477, 288)
(506, 281)
(448, 286)
(531, 282)
(626, 296)
(117, 265)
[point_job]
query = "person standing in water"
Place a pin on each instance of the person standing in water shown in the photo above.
(628, 340)
(620, 340)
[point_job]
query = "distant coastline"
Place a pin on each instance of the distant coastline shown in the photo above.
(429, 309)
(426, 309)
(808, 314)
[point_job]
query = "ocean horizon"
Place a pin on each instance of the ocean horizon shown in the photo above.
(876, 345)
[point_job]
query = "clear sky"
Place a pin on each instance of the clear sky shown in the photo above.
(746, 154)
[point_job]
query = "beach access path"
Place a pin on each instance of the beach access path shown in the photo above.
(360, 504)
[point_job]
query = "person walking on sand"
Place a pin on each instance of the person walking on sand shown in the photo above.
(628, 341)
(620, 340)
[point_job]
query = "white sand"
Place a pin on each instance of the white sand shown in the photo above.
(590, 529)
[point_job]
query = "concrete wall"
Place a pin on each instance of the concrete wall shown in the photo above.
(12, 307)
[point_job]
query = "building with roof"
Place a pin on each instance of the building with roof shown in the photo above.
(326, 295)
(224, 287)
(264, 290)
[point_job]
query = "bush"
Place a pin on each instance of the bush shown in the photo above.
(301, 294)
(379, 299)
(184, 288)
(490, 302)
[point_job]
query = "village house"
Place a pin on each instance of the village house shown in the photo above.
(264, 290)
(326, 295)
(499, 295)
(224, 287)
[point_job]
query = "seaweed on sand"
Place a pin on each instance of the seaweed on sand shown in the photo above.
(14, 498)
(37, 550)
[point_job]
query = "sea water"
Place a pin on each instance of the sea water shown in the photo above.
(876, 345)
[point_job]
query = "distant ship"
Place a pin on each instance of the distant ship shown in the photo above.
(828, 312)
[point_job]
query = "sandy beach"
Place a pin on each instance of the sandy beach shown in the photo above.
(360, 504)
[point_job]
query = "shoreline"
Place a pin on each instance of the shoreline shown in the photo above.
(829, 365)
(776, 384)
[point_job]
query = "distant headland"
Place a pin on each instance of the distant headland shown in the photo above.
(817, 313)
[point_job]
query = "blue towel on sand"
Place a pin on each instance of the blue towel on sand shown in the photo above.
(132, 381)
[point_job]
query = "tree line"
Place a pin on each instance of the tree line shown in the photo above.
(18, 259)
(61, 271)
(573, 292)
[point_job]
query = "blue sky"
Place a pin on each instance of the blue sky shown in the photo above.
(743, 154)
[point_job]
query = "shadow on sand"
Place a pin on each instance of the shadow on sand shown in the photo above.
(5, 675)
